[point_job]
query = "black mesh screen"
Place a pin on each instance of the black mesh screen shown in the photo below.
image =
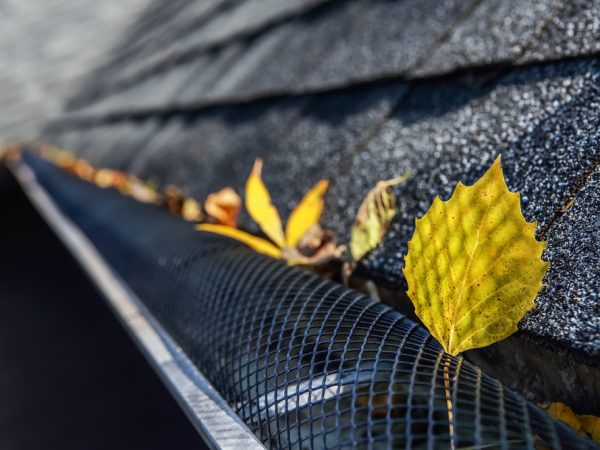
(305, 362)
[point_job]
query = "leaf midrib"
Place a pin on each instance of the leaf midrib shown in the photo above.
(466, 275)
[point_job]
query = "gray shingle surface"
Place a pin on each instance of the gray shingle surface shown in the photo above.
(248, 133)
(248, 15)
(233, 20)
(186, 17)
(573, 32)
(256, 54)
(392, 37)
(208, 73)
(271, 62)
(325, 137)
(311, 39)
(336, 43)
(47, 50)
(151, 161)
(496, 32)
(155, 93)
(128, 57)
(187, 83)
(129, 140)
(569, 308)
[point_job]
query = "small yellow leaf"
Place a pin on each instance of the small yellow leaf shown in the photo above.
(583, 424)
(374, 217)
(190, 210)
(565, 414)
(142, 191)
(260, 208)
(317, 247)
(63, 158)
(84, 170)
(106, 178)
(223, 206)
(258, 244)
(473, 265)
(306, 214)
(591, 425)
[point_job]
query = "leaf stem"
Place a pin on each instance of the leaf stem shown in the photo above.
(397, 180)
(449, 404)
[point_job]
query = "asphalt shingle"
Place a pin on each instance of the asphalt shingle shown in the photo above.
(573, 32)
(496, 32)
(311, 38)
(248, 133)
(569, 308)
(391, 39)
(254, 56)
(325, 136)
(251, 15)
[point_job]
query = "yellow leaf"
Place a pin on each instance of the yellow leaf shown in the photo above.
(190, 210)
(83, 170)
(63, 158)
(473, 265)
(565, 414)
(306, 214)
(106, 178)
(224, 206)
(583, 424)
(260, 208)
(258, 244)
(143, 192)
(374, 217)
(591, 425)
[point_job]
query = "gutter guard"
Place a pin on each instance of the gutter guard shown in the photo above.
(301, 361)
(216, 422)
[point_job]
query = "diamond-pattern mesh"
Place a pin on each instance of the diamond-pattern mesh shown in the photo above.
(305, 362)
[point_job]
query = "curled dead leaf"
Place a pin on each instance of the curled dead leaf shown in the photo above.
(106, 178)
(142, 191)
(374, 217)
(62, 158)
(81, 169)
(316, 247)
(174, 198)
(224, 206)
(372, 221)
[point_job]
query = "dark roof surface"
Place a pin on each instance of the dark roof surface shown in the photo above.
(357, 91)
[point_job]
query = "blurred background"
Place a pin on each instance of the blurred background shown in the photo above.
(47, 48)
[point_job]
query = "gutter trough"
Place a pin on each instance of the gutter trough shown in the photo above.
(218, 425)
(261, 354)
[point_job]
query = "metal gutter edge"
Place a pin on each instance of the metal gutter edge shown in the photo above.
(216, 422)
